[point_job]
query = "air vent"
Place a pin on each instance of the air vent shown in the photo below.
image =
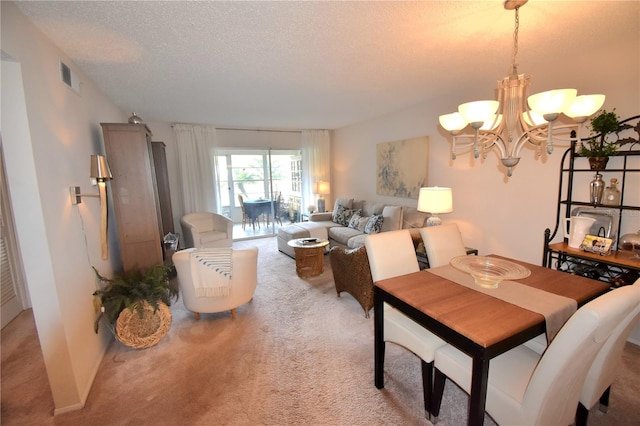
(69, 77)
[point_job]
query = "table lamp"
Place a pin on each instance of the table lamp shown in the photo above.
(321, 188)
(435, 200)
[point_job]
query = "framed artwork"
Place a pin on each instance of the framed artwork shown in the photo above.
(402, 167)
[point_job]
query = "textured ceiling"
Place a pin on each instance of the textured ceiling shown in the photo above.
(294, 65)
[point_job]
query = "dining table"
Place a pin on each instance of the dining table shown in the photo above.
(255, 208)
(481, 322)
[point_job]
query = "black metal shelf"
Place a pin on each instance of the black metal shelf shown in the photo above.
(584, 203)
(615, 269)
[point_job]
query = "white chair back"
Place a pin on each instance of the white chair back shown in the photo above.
(605, 366)
(442, 243)
(206, 230)
(554, 390)
(391, 254)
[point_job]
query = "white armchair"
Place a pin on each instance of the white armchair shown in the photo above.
(206, 230)
(244, 267)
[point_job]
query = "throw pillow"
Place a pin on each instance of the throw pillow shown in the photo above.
(342, 215)
(358, 222)
(354, 221)
(374, 224)
(392, 218)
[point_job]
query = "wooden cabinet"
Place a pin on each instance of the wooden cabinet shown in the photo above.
(162, 183)
(134, 192)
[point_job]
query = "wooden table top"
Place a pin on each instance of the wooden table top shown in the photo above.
(480, 317)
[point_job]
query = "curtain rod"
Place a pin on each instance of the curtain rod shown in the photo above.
(255, 130)
(259, 130)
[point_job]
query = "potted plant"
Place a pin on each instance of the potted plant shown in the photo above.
(138, 303)
(597, 148)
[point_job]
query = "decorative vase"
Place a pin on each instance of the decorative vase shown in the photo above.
(596, 187)
(135, 119)
(141, 327)
(598, 163)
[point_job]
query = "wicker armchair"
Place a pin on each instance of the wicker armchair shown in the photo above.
(351, 273)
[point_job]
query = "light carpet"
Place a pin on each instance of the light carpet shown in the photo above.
(296, 354)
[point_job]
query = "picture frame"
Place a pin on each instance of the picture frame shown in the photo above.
(598, 245)
(402, 167)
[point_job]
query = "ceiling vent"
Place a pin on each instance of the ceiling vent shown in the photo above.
(69, 77)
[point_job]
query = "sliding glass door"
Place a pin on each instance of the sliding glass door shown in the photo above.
(267, 182)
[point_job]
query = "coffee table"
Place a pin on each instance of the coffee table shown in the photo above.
(309, 256)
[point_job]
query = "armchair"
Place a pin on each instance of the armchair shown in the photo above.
(206, 230)
(244, 266)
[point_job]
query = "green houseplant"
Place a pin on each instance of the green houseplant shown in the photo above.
(141, 297)
(597, 147)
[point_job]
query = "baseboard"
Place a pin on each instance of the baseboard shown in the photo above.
(74, 407)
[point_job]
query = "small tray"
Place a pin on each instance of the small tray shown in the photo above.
(606, 224)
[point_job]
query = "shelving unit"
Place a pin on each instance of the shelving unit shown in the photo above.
(617, 268)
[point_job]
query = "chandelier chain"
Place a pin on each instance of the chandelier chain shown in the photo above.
(514, 64)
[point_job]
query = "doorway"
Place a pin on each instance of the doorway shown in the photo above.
(260, 190)
(12, 295)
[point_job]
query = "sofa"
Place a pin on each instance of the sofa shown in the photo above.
(350, 221)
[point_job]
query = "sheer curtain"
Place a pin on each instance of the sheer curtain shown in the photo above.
(196, 166)
(316, 158)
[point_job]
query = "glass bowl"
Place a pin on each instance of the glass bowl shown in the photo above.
(631, 242)
(488, 272)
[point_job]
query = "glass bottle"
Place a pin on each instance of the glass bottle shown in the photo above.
(597, 187)
(611, 195)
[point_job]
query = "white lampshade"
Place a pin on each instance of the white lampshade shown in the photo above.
(552, 101)
(452, 122)
(435, 200)
(533, 118)
(585, 106)
(321, 187)
(492, 122)
(478, 111)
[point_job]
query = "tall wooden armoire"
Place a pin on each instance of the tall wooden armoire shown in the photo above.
(162, 183)
(134, 190)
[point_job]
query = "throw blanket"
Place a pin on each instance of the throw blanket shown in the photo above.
(211, 272)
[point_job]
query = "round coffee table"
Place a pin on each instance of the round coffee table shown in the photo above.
(309, 256)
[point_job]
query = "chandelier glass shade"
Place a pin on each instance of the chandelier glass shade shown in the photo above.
(517, 119)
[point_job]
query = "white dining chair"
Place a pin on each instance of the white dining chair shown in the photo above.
(598, 382)
(603, 370)
(392, 254)
(442, 243)
(528, 388)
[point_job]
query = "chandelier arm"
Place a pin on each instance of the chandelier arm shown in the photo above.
(489, 139)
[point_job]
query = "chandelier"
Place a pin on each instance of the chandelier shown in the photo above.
(517, 119)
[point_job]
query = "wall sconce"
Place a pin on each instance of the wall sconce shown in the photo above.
(101, 173)
(435, 200)
(321, 188)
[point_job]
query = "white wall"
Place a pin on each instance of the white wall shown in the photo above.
(49, 132)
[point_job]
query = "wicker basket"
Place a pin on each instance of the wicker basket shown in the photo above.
(140, 333)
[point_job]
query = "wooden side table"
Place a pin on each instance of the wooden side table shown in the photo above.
(309, 254)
